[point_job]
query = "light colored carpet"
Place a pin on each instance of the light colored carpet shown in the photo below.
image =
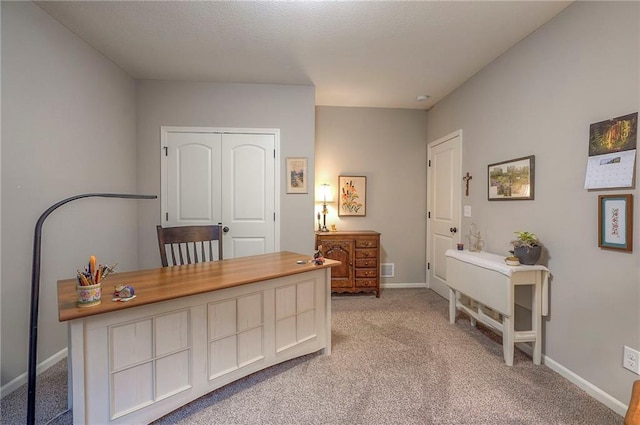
(395, 360)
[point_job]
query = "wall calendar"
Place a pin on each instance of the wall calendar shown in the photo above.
(612, 153)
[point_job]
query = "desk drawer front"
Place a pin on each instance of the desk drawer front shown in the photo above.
(366, 273)
(366, 263)
(367, 253)
(366, 283)
(366, 242)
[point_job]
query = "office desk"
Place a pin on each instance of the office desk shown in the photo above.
(190, 329)
(486, 279)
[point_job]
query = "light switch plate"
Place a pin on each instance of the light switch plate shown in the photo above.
(467, 210)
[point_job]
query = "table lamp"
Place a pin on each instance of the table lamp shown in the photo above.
(325, 196)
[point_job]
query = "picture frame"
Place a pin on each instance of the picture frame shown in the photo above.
(297, 175)
(352, 196)
(512, 180)
(615, 222)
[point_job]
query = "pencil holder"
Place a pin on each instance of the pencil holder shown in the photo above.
(89, 295)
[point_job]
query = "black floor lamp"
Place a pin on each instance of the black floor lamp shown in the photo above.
(35, 291)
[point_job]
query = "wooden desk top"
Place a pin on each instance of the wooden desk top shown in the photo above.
(167, 283)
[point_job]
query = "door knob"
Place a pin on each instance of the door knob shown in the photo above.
(225, 229)
(453, 229)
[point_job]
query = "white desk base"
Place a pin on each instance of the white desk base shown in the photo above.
(136, 365)
(484, 278)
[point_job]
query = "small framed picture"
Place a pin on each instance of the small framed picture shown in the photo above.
(297, 175)
(615, 222)
(512, 180)
(352, 196)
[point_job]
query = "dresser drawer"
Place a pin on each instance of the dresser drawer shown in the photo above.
(367, 253)
(366, 283)
(359, 254)
(367, 263)
(366, 273)
(366, 243)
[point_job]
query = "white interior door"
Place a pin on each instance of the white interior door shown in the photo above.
(248, 164)
(211, 176)
(193, 179)
(443, 206)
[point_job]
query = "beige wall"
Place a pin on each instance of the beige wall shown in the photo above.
(388, 146)
(288, 108)
(539, 99)
(68, 127)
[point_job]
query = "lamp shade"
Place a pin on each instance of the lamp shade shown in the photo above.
(324, 194)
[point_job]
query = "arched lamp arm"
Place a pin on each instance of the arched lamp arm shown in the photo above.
(35, 291)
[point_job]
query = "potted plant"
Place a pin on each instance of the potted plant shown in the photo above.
(527, 247)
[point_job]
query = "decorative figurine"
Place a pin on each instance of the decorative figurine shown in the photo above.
(318, 259)
(123, 293)
(475, 241)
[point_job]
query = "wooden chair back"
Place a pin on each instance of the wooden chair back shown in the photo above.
(189, 244)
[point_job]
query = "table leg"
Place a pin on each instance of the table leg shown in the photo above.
(536, 322)
(508, 335)
(452, 306)
(472, 319)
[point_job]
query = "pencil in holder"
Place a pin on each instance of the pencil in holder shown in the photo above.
(89, 295)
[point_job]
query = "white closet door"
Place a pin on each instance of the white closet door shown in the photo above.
(248, 193)
(194, 179)
(210, 176)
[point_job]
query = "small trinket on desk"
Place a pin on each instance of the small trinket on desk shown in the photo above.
(318, 259)
(123, 293)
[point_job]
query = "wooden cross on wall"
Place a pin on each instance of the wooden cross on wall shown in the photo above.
(466, 180)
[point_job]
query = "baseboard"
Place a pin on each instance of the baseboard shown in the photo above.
(402, 285)
(586, 386)
(20, 380)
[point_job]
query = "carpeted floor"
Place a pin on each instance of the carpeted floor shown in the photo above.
(395, 360)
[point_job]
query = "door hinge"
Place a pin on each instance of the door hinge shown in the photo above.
(274, 216)
(428, 266)
(166, 151)
(166, 216)
(274, 154)
(429, 214)
(429, 163)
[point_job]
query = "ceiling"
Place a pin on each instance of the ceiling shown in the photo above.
(355, 53)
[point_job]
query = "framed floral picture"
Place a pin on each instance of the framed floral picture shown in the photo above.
(297, 175)
(615, 222)
(352, 196)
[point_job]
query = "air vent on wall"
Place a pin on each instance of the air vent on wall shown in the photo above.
(387, 269)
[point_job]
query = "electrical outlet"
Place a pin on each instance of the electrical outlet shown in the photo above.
(631, 360)
(467, 210)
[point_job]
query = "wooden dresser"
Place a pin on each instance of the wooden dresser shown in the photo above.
(359, 253)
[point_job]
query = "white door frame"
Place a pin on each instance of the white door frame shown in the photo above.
(165, 130)
(457, 133)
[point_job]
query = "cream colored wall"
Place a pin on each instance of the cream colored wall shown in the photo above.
(388, 146)
(174, 103)
(68, 127)
(539, 99)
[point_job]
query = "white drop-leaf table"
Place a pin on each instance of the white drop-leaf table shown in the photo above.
(486, 279)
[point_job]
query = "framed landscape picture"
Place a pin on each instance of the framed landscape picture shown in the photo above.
(512, 180)
(352, 196)
(297, 175)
